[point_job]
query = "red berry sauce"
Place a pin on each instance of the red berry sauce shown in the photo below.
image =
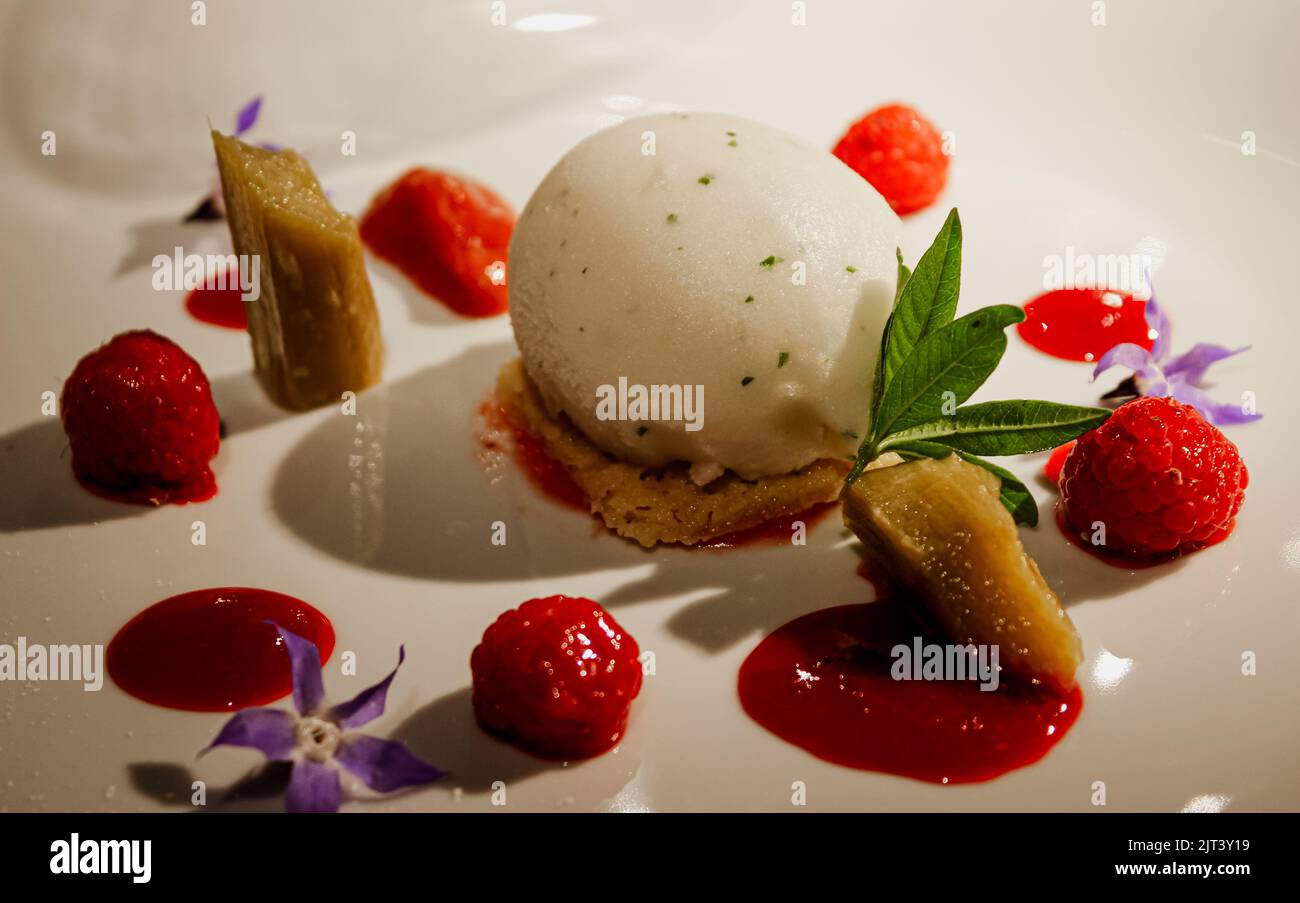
(216, 306)
(448, 235)
(1056, 460)
(774, 532)
(1081, 324)
(504, 434)
(211, 650)
(822, 682)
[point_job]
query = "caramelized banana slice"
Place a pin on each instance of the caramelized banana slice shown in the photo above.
(315, 329)
(939, 529)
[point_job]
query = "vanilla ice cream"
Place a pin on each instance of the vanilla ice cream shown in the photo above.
(719, 256)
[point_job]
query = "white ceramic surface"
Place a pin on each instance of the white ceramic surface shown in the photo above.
(1106, 138)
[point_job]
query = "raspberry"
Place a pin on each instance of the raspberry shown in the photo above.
(556, 676)
(140, 419)
(900, 153)
(1158, 476)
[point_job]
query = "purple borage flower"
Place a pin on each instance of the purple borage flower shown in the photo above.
(318, 740)
(1156, 373)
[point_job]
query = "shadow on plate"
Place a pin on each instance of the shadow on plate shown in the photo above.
(38, 487)
(446, 733)
(422, 309)
(36, 480)
(161, 235)
(242, 404)
(405, 487)
(1075, 575)
(745, 594)
(169, 784)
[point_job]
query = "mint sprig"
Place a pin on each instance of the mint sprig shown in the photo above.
(930, 364)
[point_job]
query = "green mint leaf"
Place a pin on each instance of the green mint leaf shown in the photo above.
(878, 380)
(944, 370)
(904, 274)
(1006, 427)
(928, 298)
(1014, 495)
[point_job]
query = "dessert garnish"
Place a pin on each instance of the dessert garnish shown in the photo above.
(930, 364)
(213, 207)
(556, 677)
(1156, 374)
(1079, 324)
(315, 329)
(213, 650)
(900, 153)
(141, 422)
(449, 235)
(217, 304)
(319, 739)
(1155, 480)
(825, 683)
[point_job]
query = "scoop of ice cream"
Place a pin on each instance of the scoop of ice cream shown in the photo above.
(704, 288)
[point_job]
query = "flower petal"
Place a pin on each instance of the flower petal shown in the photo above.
(268, 730)
(384, 765)
(1218, 413)
(313, 787)
(248, 115)
(1125, 354)
(1158, 323)
(1193, 364)
(304, 660)
(367, 705)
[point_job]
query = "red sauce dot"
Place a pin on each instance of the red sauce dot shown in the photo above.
(823, 682)
(211, 650)
(1083, 324)
(448, 235)
(1056, 461)
(217, 306)
(776, 531)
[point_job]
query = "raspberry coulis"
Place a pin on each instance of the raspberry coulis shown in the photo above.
(823, 683)
(1082, 324)
(448, 235)
(212, 650)
(217, 306)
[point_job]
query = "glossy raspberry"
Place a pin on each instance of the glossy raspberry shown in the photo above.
(140, 419)
(556, 676)
(1158, 476)
(900, 153)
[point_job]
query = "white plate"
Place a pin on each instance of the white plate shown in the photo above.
(1101, 137)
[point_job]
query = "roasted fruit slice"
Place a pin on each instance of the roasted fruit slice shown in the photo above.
(315, 329)
(939, 529)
